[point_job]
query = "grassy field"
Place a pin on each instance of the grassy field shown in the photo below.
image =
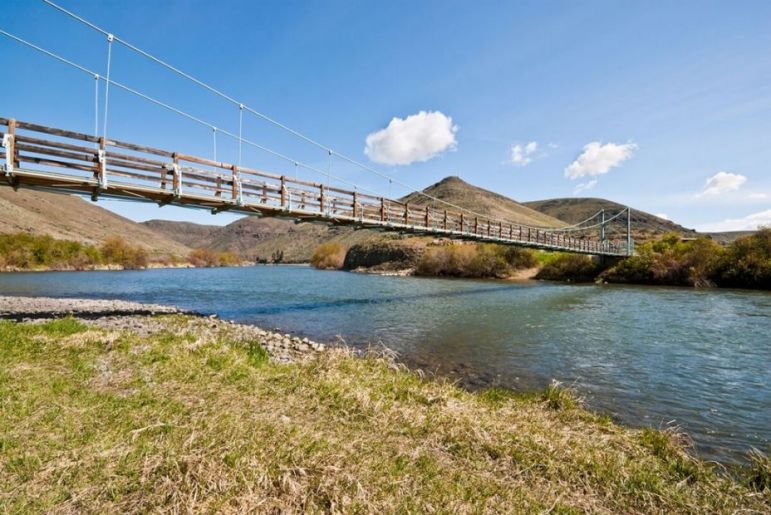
(98, 421)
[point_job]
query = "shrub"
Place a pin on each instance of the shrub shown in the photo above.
(330, 255)
(669, 261)
(480, 260)
(115, 250)
(229, 259)
(212, 258)
(27, 251)
(570, 267)
(746, 263)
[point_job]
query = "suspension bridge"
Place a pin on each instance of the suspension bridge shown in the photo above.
(66, 161)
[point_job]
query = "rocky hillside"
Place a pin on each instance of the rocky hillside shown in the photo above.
(265, 239)
(73, 218)
(190, 234)
(456, 191)
(574, 210)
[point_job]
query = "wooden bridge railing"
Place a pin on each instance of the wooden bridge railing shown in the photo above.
(60, 159)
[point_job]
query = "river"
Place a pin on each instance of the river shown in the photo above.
(696, 359)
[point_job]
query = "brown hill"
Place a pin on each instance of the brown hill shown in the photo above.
(72, 218)
(574, 210)
(262, 239)
(190, 234)
(487, 203)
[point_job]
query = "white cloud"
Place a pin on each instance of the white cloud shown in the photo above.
(419, 137)
(522, 155)
(663, 216)
(748, 223)
(722, 182)
(584, 186)
(598, 158)
(757, 196)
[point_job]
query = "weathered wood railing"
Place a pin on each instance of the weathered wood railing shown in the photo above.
(44, 157)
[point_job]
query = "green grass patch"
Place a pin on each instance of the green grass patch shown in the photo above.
(191, 419)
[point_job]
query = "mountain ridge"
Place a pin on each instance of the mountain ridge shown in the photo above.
(576, 209)
(454, 190)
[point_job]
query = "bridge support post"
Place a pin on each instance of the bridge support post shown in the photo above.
(237, 192)
(177, 180)
(102, 163)
(355, 204)
(283, 192)
(628, 231)
(9, 144)
(100, 171)
(602, 225)
(321, 198)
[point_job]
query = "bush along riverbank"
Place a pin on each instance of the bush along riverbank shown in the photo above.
(26, 252)
(426, 257)
(670, 261)
(180, 413)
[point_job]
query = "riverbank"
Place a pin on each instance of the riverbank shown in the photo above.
(23, 252)
(177, 412)
(141, 318)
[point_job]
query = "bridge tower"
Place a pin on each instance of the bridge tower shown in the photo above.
(602, 228)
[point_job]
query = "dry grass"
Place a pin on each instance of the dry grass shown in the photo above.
(329, 255)
(474, 260)
(110, 422)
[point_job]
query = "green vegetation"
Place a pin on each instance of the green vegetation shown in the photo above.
(212, 258)
(570, 267)
(28, 252)
(672, 261)
(24, 251)
(745, 263)
(474, 260)
(330, 255)
(115, 250)
(191, 419)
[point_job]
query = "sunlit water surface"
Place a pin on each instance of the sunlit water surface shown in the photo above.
(699, 359)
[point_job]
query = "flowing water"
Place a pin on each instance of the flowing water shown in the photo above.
(697, 359)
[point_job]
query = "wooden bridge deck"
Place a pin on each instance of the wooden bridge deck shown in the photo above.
(42, 157)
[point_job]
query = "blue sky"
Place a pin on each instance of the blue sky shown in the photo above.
(665, 106)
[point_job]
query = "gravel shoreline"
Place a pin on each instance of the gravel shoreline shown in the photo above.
(142, 319)
(29, 308)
